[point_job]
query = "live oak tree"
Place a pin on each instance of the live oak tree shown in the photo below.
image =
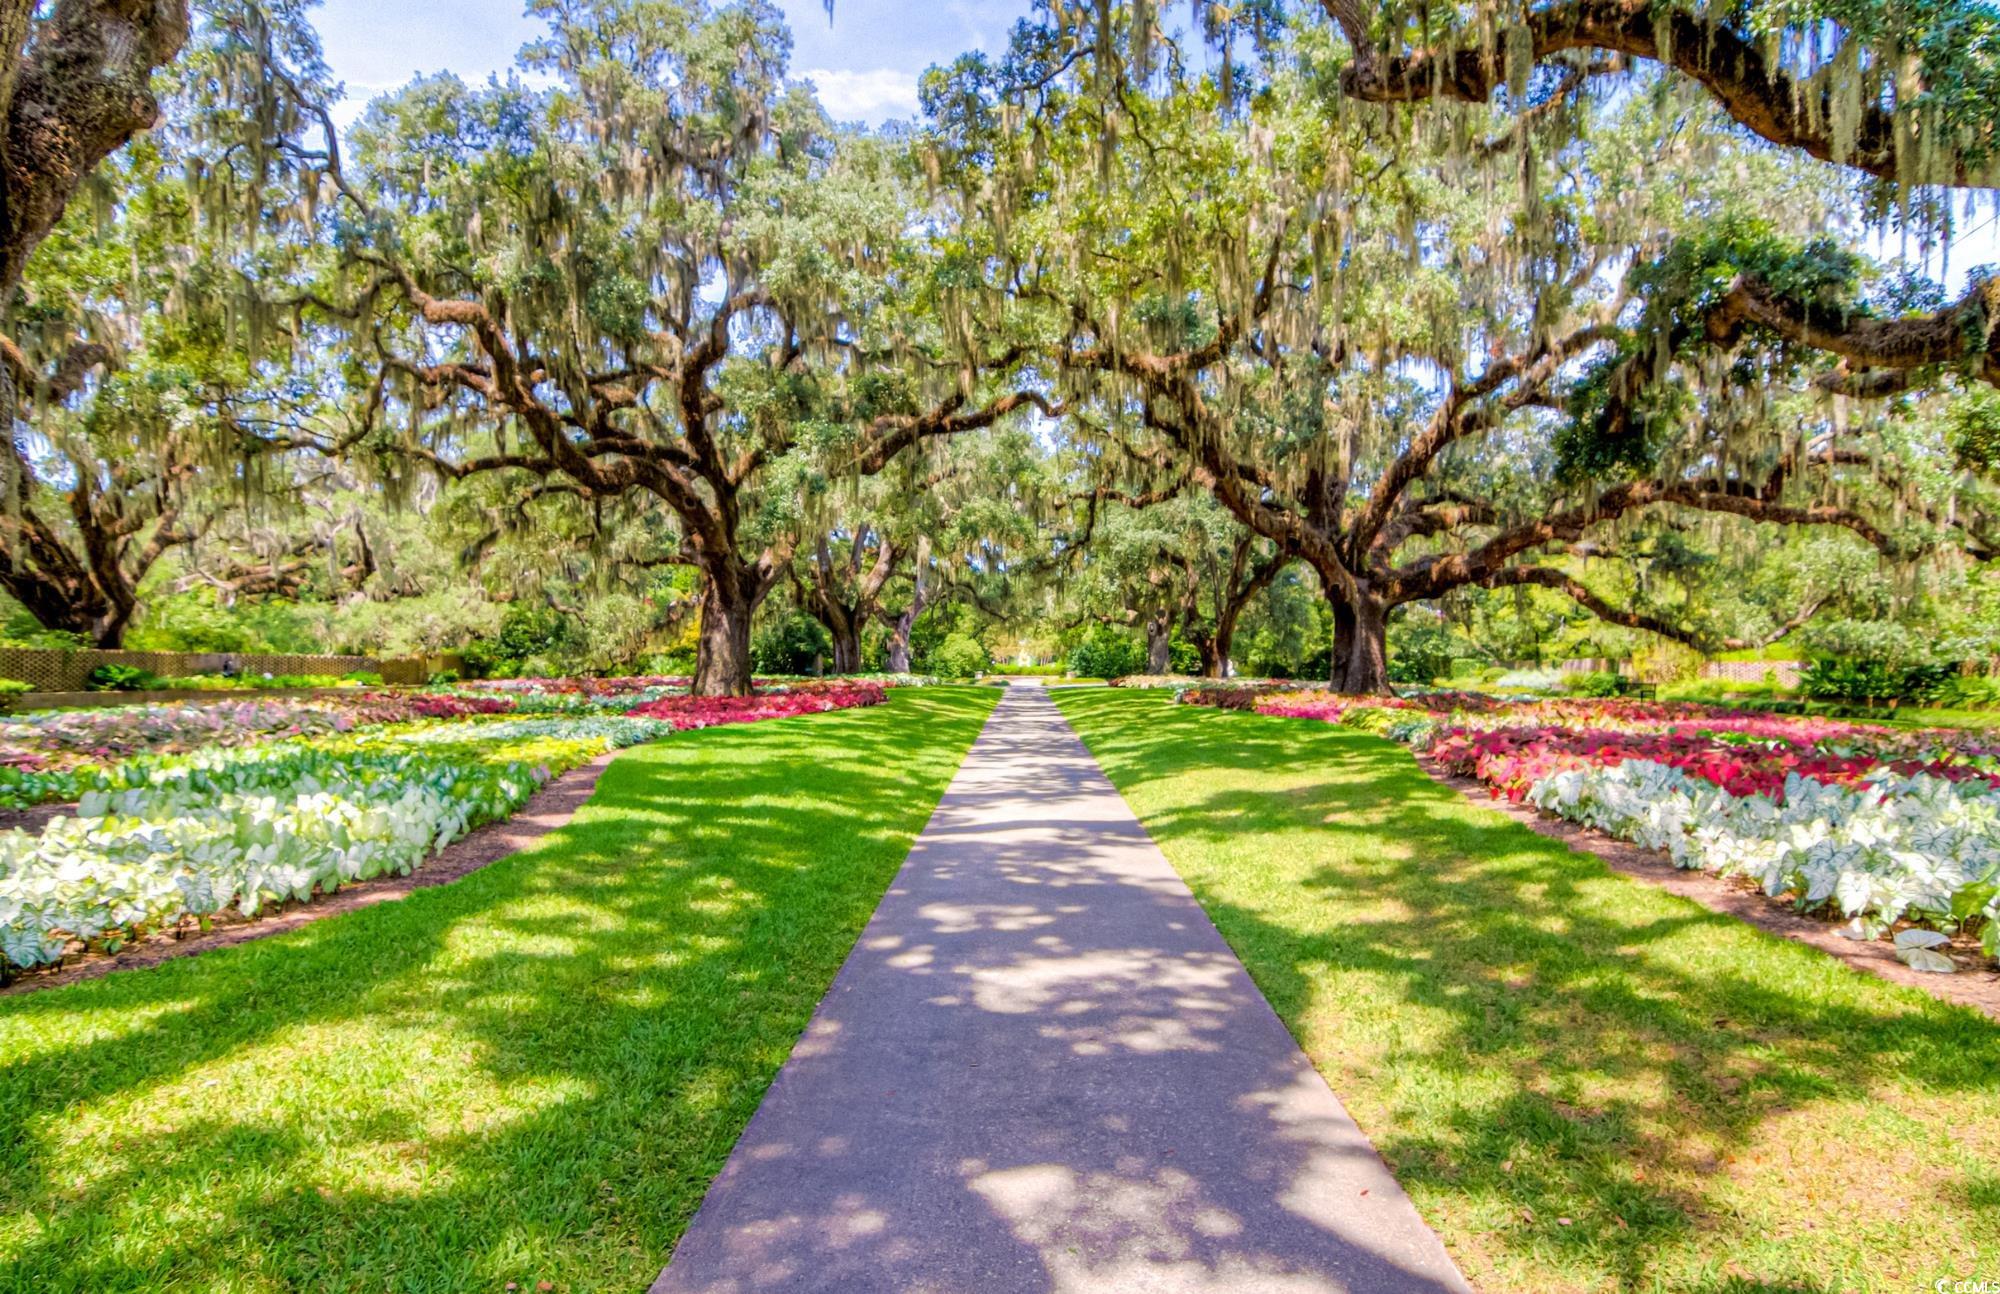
(1177, 564)
(1899, 89)
(140, 387)
(75, 85)
(665, 274)
(1419, 366)
(1904, 91)
(958, 521)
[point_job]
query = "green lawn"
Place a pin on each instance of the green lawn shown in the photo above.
(1585, 1083)
(529, 1075)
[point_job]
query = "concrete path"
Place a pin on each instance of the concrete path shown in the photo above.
(1041, 1069)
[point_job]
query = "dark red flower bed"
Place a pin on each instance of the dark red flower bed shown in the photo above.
(1510, 760)
(710, 711)
(401, 707)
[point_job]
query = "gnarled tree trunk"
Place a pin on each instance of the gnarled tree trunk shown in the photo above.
(1361, 647)
(1215, 653)
(729, 599)
(906, 621)
(845, 629)
(1159, 643)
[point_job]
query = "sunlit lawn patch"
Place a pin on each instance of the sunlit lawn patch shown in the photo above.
(530, 1074)
(1585, 1083)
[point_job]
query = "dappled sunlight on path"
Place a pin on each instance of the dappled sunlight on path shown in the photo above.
(1042, 1070)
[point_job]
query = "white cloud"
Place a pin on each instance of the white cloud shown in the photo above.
(874, 96)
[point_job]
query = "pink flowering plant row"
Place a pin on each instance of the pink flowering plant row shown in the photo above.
(1880, 825)
(43, 755)
(685, 712)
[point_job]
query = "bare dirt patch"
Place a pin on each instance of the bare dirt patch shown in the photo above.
(548, 809)
(1976, 985)
(33, 818)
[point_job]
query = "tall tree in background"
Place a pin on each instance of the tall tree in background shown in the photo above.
(1177, 565)
(951, 522)
(1415, 364)
(663, 275)
(144, 384)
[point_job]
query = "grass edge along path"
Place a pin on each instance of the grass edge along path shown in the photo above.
(528, 1075)
(1584, 1083)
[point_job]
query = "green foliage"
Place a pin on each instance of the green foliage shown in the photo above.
(1873, 681)
(121, 678)
(1107, 653)
(19, 629)
(1419, 651)
(1953, 87)
(960, 656)
(792, 643)
(1973, 429)
(197, 621)
(1610, 430)
(1183, 657)
(1600, 683)
(533, 639)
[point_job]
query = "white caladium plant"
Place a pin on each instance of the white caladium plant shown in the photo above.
(157, 840)
(237, 829)
(613, 732)
(1899, 847)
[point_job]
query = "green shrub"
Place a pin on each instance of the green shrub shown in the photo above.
(1970, 692)
(1419, 653)
(960, 656)
(11, 688)
(205, 683)
(1873, 681)
(1106, 653)
(1718, 689)
(791, 644)
(120, 678)
(1601, 683)
(1183, 657)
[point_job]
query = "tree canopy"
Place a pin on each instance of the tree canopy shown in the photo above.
(1387, 306)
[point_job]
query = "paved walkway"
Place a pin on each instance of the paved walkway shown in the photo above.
(1041, 1069)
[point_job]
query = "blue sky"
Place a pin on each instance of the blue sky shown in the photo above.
(865, 63)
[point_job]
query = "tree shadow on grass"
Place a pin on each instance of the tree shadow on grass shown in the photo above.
(528, 1074)
(1530, 1038)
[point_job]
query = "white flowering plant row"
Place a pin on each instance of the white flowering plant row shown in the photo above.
(157, 842)
(608, 732)
(1900, 846)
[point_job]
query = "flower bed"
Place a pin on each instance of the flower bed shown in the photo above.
(624, 686)
(99, 734)
(158, 841)
(609, 732)
(710, 711)
(1881, 825)
(156, 846)
(1231, 694)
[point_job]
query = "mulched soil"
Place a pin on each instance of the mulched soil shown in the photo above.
(1977, 984)
(548, 809)
(34, 818)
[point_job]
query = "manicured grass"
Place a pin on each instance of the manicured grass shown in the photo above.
(1585, 1083)
(529, 1075)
